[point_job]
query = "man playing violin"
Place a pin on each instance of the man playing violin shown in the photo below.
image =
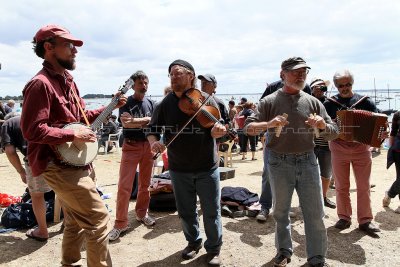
(51, 100)
(193, 163)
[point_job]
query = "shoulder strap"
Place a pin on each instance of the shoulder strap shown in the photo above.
(333, 100)
(358, 102)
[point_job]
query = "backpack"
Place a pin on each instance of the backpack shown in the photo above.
(20, 215)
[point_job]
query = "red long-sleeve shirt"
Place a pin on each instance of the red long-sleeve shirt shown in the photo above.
(49, 105)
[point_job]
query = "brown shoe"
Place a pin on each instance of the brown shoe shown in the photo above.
(342, 224)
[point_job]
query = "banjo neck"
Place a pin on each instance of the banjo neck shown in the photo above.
(114, 102)
(103, 115)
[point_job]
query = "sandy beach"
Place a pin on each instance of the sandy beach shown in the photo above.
(246, 242)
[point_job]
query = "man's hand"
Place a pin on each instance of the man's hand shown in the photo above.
(84, 135)
(22, 173)
(122, 100)
(278, 121)
(128, 121)
(157, 147)
(316, 121)
(218, 130)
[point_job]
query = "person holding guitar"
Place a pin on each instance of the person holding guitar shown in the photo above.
(51, 101)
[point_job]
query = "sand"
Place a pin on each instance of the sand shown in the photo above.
(246, 242)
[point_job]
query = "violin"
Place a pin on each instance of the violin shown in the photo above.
(192, 100)
(193, 103)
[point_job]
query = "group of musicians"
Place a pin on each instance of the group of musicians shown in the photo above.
(51, 100)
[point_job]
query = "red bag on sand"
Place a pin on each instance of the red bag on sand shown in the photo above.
(6, 200)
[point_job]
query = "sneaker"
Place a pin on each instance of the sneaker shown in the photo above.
(386, 200)
(262, 215)
(281, 260)
(329, 203)
(190, 251)
(115, 233)
(213, 259)
(147, 220)
(292, 214)
(342, 224)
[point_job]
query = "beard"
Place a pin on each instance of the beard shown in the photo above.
(298, 85)
(178, 87)
(66, 64)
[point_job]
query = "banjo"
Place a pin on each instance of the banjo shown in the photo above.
(78, 153)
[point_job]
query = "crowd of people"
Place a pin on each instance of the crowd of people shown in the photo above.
(294, 120)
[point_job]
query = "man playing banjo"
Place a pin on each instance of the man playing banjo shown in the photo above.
(51, 101)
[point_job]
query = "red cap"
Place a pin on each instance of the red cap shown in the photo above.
(52, 30)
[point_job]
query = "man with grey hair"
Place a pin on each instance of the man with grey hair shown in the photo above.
(134, 116)
(294, 166)
(346, 153)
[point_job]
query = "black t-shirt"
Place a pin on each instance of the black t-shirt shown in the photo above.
(138, 109)
(194, 149)
(11, 134)
(222, 110)
(109, 128)
(332, 108)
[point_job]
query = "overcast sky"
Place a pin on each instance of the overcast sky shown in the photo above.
(241, 42)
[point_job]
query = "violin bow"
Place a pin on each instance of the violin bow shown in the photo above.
(183, 127)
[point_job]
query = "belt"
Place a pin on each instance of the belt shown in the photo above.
(134, 141)
(293, 155)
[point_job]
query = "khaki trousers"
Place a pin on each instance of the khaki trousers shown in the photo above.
(85, 215)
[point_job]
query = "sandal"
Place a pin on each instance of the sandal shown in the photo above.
(30, 234)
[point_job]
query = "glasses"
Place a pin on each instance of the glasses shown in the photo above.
(300, 72)
(68, 45)
(178, 74)
(340, 86)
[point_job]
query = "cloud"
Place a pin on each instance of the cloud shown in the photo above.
(241, 42)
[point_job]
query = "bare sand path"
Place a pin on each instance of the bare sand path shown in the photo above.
(246, 242)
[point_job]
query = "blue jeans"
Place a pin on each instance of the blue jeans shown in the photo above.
(266, 195)
(206, 185)
(298, 171)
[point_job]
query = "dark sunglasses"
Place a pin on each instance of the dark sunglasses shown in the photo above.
(340, 86)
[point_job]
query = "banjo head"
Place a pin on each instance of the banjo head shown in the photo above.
(77, 153)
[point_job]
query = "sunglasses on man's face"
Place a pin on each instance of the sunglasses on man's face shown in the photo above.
(340, 86)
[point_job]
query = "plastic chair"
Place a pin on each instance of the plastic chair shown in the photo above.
(158, 166)
(227, 154)
(113, 138)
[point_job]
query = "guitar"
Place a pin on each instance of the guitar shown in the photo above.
(78, 153)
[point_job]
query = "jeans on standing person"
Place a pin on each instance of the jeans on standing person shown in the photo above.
(206, 185)
(266, 194)
(298, 171)
(395, 188)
